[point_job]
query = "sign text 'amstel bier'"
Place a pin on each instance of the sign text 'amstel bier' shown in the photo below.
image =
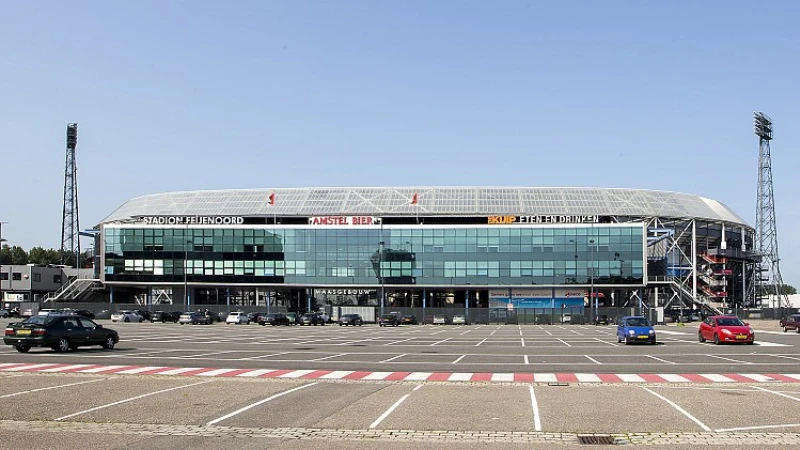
(344, 220)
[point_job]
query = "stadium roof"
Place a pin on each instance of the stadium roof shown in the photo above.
(431, 201)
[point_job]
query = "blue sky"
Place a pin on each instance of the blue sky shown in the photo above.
(186, 95)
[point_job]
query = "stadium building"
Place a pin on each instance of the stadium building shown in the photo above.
(440, 247)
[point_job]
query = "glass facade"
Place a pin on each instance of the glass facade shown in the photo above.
(422, 255)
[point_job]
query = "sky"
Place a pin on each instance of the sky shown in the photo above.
(186, 95)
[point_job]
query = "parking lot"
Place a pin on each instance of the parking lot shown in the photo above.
(427, 348)
(510, 384)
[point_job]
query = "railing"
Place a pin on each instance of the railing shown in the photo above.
(52, 295)
(73, 290)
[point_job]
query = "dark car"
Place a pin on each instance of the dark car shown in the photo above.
(61, 332)
(602, 319)
(389, 320)
(312, 319)
(255, 316)
(409, 319)
(350, 319)
(78, 312)
(294, 319)
(145, 314)
(273, 319)
(791, 323)
(165, 316)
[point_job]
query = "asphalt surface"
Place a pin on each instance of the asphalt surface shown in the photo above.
(87, 411)
(428, 348)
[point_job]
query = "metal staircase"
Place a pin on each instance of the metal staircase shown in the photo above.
(74, 290)
(684, 293)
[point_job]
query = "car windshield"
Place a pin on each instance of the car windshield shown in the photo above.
(637, 322)
(729, 322)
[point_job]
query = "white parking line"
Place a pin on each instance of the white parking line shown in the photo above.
(758, 427)
(397, 342)
(660, 360)
(481, 342)
(681, 410)
(593, 360)
(131, 399)
(394, 357)
(52, 387)
(785, 357)
(459, 359)
(565, 343)
(391, 409)
(776, 393)
(329, 357)
(264, 356)
(526, 360)
(205, 354)
(537, 420)
(729, 359)
(522, 340)
(260, 402)
(438, 342)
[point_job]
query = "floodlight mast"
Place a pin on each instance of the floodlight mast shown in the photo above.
(766, 274)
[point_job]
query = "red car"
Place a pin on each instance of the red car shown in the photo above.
(791, 323)
(721, 329)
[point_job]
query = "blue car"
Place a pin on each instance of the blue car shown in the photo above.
(635, 329)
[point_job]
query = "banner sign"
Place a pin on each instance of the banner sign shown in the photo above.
(508, 220)
(345, 220)
(541, 298)
(193, 220)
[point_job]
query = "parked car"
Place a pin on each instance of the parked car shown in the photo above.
(194, 318)
(566, 318)
(389, 320)
(459, 319)
(791, 323)
(78, 312)
(254, 316)
(5, 313)
(440, 319)
(294, 319)
(46, 312)
(143, 313)
(720, 329)
(350, 319)
(126, 316)
(274, 319)
(61, 332)
(602, 319)
(635, 329)
(237, 318)
(165, 316)
(312, 319)
(409, 319)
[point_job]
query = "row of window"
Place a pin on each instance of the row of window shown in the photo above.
(36, 277)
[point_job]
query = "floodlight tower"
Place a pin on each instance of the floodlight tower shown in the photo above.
(768, 274)
(70, 229)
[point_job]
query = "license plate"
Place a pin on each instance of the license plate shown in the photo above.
(643, 337)
(741, 336)
(24, 332)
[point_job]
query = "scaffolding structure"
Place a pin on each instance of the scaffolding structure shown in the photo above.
(70, 228)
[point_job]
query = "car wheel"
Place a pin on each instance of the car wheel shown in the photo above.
(63, 345)
(700, 337)
(22, 348)
(716, 339)
(785, 329)
(797, 330)
(127, 319)
(627, 341)
(750, 343)
(109, 343)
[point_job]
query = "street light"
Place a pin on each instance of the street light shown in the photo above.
(185, 272)
(591, 277)
(380, 274)
(1, 261)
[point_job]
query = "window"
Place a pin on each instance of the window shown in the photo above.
(37, 277)
(16, 276)
(4, 276)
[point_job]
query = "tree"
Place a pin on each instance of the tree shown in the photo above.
(788, 289)
(18, 256)
(38, 255)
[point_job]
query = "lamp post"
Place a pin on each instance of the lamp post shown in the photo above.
(186, 271)
(1, 262)
(380, 274)
(591, 278)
